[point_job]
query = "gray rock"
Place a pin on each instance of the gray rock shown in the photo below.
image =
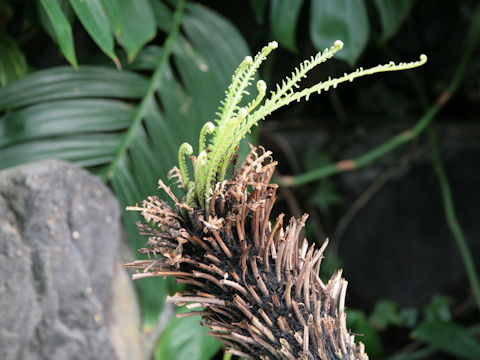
(63, 294)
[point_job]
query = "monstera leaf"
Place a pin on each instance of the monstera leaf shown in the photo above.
(124, 126)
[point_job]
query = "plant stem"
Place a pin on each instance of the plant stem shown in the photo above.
(149, 96)
(451, 217)
(353, 164)
(150, 340)
(429, 350)
(369, 157)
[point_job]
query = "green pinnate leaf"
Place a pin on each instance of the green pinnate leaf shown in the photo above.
(93, 17)
(392, 14)
(283, 21)
(62, 29)
(259, 7)
(438, 308)
(449, 337)
(340, 19)
(186, 339)
(133, 23)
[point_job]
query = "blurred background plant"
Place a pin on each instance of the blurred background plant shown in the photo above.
(117, 86)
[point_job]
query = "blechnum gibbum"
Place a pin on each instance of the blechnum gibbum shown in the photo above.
(254, 283)
(234, 122)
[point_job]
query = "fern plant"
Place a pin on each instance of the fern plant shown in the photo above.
(256, 284)
(235, 121)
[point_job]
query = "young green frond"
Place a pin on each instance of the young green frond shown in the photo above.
(391, 66)
(262, 89)
(208, 128)
(229, 115)
(276, 101)
(290, 83)
(200, 173)
(184, 150)
(243, 75)
(234, 123)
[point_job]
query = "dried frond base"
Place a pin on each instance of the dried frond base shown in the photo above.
(259, 288)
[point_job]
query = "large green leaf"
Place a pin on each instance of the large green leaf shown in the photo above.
(12, 61)
(83, 150)
(344, 20)
(385, 313)
(438, 308)
(62, 29)
(259, 7)
(283, 21)
(186, 339)
(102, 118)
(113, 11)
(392, 14)
(162, 14)
(66, 83)
(64, 117)
(133, 23)
(45, 18)
(449, 337)
(93, 17)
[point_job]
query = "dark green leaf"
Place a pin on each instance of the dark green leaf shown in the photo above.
(84, 150)
(415, 355)
(392, 14)
(438, 308)
(449, 337)
(205, 73)
(65, 82)
(6, 9)
(134, 23)
(343, 20)
(210, 34)
(147, 59)
(409, 317)
(186, 339)
(283, 21)
(45, 19)
(13, 65)
(162, 14)
(95, 20)
(384, 314)
(325, 195)
(62, 28)
(473, 35)
(357, 322)
(112, 9)
(259, 7)
(65, 117)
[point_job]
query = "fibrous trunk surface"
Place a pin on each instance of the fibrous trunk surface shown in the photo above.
(256, 287)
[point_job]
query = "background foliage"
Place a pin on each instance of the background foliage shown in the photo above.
(117, 86)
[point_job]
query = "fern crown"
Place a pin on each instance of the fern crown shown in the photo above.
(234, 121)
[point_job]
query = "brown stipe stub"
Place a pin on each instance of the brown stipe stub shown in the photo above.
(257, 283)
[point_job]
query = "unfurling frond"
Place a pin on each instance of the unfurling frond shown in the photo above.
(184, 150)
(234, 122)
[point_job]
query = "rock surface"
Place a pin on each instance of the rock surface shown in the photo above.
(63, 294)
